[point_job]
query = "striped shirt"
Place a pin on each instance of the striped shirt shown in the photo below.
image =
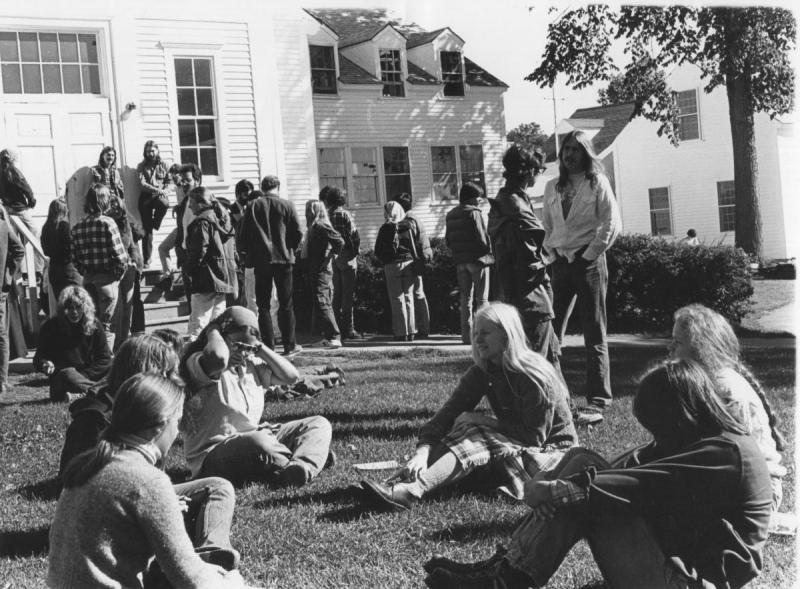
(97, 246)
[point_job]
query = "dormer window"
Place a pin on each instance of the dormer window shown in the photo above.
(452, 73)
(323, 69)
(392, 73)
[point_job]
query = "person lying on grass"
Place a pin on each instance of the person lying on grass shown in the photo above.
(703, 335)
(72, 349)
(689, 509)
(227, 370)
(531, 427)
(118, 509)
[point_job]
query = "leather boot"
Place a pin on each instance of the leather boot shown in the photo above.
(440, 562)
(499, 576)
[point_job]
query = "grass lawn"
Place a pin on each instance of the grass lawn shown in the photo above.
(319, 535)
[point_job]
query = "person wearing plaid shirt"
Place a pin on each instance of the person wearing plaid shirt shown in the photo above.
(345, 263)
(99, 254)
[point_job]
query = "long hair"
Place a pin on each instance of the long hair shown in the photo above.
(77, 295)
(677, 401)
(56, 212)
(714, 345)
(98, 199)
(143, 404)
(147, 145)
(8, 167)
(105, 150)
(142, 353)
(594, 167)
(517, 356)
(316, 213)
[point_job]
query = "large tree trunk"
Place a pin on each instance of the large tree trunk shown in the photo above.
(745, 164)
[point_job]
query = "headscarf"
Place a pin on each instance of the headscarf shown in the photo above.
(393, 212)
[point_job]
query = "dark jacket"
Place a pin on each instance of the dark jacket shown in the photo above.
(90, 416)
(16, 195)
(466, 236)
(396, 242)
(66, 346)
(11, 251)
(423, 244)
(57, 245)
(270, 232)
(708, 504)
(211, 254)
(323, 243)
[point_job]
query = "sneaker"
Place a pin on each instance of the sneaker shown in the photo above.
(389, 498)
(332, 344)
(293, 350)
(588, 415)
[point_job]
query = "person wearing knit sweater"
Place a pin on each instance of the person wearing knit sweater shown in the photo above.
(118, 509)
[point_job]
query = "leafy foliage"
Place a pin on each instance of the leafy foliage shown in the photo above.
(528, 135)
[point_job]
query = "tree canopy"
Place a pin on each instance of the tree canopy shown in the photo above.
(745, 50)
(528, 135)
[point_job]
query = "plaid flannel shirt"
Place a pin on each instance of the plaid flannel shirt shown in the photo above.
(342, 221)
(97, 246)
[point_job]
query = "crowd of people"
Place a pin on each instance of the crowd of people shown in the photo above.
(690, 508)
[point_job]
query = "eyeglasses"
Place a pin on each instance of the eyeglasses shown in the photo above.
(245, 348)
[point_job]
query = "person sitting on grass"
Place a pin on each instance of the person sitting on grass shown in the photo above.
(118, 509)
(531, 427)
(688, 509)
(703, 335)
(72, 348)
(227, 370)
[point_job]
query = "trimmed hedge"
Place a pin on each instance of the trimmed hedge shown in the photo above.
(649, 278)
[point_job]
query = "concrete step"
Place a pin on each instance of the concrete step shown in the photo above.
(165, 310)
(179, 324)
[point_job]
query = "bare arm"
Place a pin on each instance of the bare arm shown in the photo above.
(283, 371)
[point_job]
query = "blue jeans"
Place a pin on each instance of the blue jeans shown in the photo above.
(321, 284)
(422, 316)
(282, 275)
(473, 283)
(104, 289)
(588, 281)
(400, 281)
(259, 454)
(344, 286)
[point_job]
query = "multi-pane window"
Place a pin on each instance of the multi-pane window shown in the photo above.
(445, 173)
(396, 171)
(391, 73)
(726, 198)
(452, 73)
(660, 217)
(688, 115)
(452, 168)
(323, 69)
(197, 113)
(49, 63)
(364, 171)
(332, 167)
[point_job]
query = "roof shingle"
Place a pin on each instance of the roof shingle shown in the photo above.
(611, 120)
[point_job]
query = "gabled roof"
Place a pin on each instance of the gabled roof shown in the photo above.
(610, 120)
(417, 75)
(352, 73)
(354, 25)
(477, 76)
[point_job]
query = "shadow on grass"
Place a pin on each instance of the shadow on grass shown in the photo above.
(12, 401)
(474, 531)
(347, 417)
(351, 493)
(20, 543)
(46, 490)
(35, 382)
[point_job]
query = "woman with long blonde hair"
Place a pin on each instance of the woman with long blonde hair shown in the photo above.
(530, 429)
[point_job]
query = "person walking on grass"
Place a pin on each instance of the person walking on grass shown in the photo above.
(581, 221)
(210, 259)
(467, 238)
(118, 509)
(688, 509)
(322, 244)
(528, 434)
(227, 370)
(269, 237)
(424, 253)
(72, 349)
(345, 264)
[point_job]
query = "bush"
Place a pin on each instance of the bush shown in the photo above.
(649, 278)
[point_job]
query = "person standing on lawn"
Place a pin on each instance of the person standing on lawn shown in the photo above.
(423, 251)
(517, 237)
(270, 234)
(581, 221)
(153, 198)
(689, 509)
(322, 244)
(467, 238)
(11, 255)
(345, 264)
(227, 370)
(57, 246)
(118, 509)
(72, 349)
(528, 434)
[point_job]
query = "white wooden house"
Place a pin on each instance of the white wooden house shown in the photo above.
(666, 190)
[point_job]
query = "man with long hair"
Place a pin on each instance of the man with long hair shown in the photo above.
(581, 220)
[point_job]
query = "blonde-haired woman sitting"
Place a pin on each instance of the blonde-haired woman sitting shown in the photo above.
(531, 427)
